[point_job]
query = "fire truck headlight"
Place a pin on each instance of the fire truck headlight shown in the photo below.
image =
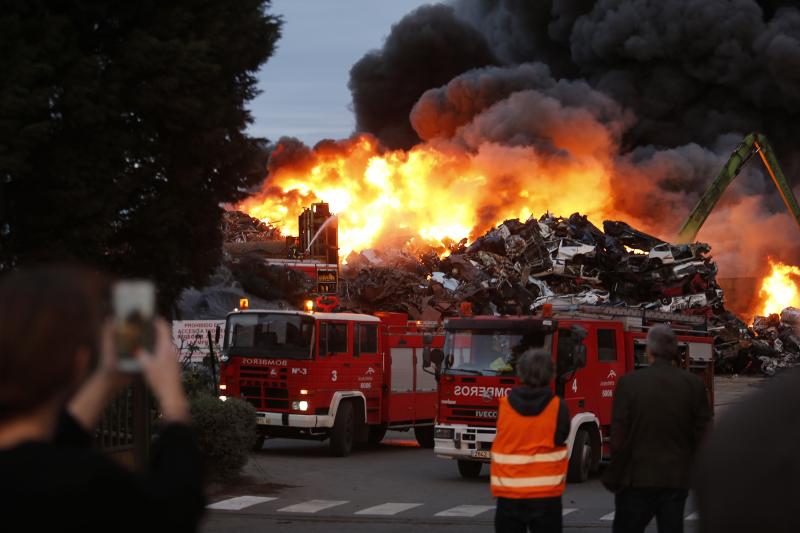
(302, 405)
(223, 386)
(223, 398)
(443, 433)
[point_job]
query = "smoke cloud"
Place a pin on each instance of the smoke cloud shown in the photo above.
(425, 49)
(658, 93)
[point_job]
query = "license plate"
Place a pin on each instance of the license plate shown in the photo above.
(482, 454)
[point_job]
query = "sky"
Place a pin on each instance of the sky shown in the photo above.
(304, 83)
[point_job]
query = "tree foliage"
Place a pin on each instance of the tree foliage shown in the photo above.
(122, 129)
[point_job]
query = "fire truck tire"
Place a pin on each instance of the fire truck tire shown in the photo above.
(343, 432)
(580, 463)
(469, 469)
(259, 443)
(424, 436)
(376, 434)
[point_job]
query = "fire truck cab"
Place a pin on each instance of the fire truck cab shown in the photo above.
(346, 377)
(592, 348)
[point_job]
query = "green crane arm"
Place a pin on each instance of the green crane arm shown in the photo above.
(752, 144)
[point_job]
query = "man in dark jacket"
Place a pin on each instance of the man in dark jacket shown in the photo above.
(529, 454)
(659, 417)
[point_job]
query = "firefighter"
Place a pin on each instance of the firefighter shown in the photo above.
(529, 454)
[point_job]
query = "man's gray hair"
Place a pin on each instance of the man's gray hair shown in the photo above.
(662, 343)
(535, 368)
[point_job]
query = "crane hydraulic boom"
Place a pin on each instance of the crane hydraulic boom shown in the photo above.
(752, 144)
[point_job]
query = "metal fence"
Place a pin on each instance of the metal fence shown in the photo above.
(125, 428)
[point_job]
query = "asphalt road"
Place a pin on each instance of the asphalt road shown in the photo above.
(296, 486)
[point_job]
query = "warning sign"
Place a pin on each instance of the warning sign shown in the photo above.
(191, 337)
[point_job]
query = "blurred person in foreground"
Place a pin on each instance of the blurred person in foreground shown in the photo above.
(58, 373)
(748, 469)
(659, 416)
(529, 453)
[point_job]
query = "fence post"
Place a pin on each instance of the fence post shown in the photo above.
(141, 424)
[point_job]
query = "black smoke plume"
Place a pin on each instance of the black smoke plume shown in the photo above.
(677, 83)
(425, 49)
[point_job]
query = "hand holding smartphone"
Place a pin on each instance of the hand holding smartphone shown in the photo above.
(134, 305)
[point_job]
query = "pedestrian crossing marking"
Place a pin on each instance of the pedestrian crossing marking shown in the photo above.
(385, 509)
(465, 511)
(388, 509)
(312, 506)
(239, 503)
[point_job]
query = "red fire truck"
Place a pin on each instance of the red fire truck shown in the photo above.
(341, 376)
(592, 347)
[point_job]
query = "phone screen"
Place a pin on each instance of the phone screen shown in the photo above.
(134, 306)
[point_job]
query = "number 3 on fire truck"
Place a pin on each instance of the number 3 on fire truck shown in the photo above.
(334, 376)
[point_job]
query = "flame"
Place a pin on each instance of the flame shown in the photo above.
(430, 193)
(779, 289)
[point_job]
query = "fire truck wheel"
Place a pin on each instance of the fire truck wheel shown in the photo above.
(580, 463)
(259, 443)
(376, 434)
(424, 436)
(343, 431)
(469, 469)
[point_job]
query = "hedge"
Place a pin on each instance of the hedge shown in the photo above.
(226, 432)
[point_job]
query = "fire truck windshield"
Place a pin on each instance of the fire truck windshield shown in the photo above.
(479, 351)
(269, 335)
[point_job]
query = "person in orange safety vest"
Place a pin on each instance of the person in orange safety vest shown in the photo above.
(529, 453)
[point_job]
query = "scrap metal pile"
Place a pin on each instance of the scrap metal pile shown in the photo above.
(774, 342)
(238, 227)
(518, 267)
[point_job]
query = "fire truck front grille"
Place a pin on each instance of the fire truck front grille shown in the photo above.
(251, 392)
(276, 393)
(262, 372)
(276, 398)
(265, 388)
(480, 415)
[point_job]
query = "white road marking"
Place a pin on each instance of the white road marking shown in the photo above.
(465, 510)
(239, 503)
(388, 508)
(312, 506)
(693, 516)
(565, 512)
(607, 517)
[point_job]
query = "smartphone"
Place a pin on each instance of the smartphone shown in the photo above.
(133, 304)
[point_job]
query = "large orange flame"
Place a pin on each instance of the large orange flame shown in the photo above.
(431, 192)
(779, 289)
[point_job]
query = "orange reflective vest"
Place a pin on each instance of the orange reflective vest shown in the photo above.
(526, 463)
